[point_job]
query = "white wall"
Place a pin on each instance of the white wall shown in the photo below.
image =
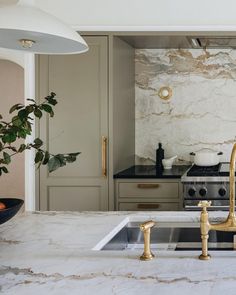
(13, 55)
(138, 14)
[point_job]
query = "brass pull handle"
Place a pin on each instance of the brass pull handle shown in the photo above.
(148, 185)
(146, 229)
(104, 156)
(148, 206)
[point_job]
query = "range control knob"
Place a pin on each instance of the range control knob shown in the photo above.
(192, 192)
(203, 191)
(222, 191)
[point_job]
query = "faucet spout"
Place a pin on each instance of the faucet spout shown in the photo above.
(232, 182)
(230, 223)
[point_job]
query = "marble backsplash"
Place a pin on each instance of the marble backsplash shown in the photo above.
(200, 113)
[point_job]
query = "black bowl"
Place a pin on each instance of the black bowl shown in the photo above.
(12, 207)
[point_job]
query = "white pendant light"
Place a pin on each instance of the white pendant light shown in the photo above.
(25, 27)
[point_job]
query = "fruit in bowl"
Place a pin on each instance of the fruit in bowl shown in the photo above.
(12, 206)
(2, 206)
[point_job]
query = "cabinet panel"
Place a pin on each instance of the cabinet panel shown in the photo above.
(160, 206)
(81, 119)
(75, 198)
(141, 189)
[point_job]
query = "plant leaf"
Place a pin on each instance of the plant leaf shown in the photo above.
(38, 113)
(23, 114)
(16, 121)
(38, 143)
(21, 148)
(16, 107)
(50, 99)
(22, 133)
(4, 169)
(74, 154)
(46, 158)
(38, 157)
(46, 107)
(30, 99)
(53, 164)
(7, 158)
(9, 137)
(30, 108)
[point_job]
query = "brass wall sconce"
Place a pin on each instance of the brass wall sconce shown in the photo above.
(165, 92)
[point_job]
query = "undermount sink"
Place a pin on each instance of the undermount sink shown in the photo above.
(169, 236)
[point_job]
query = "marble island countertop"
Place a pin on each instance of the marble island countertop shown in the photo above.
(52, 253)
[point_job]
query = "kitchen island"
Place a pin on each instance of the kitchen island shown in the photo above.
(54, 253)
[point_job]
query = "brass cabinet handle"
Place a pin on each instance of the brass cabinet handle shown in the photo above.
(104, 156)
(148, 185)
(148, 206)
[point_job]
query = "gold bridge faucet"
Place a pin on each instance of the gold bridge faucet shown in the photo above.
(230, 223)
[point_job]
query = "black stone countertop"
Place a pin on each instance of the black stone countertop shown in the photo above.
(150, 171)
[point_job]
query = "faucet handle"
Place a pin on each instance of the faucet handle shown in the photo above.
(146, 225)
(204, 204)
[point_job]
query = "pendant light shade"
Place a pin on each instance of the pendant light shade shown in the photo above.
(25, 27)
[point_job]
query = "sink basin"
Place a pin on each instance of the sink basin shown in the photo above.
(175, 237)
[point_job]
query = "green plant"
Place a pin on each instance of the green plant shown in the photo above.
(20, 126)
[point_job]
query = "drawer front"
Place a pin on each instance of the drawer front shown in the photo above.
(160, 190)
(148, 206)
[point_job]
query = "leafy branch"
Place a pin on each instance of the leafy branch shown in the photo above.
(20, 126)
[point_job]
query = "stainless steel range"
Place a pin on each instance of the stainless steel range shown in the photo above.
(206, 183)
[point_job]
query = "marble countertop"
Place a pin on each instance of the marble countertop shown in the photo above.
(53, 253)
(150, 171)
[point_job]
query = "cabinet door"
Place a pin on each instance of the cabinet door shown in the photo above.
(80, 121)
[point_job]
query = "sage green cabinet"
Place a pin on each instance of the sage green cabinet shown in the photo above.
(148, 194)
(81, 120)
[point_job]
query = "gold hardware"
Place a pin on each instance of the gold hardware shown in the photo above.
(165, 92)
(204, 204)
(148, 206)
(104, 156)
(148, 185)
(230, 223)
(25, 43)
(146, 229)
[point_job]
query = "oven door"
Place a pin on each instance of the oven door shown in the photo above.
(220, 205)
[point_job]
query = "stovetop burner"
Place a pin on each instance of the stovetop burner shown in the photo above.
(204, 170)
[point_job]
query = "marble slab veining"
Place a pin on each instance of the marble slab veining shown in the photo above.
(51, 253)
(202, 111)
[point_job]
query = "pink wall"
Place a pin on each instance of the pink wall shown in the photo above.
(11, 92)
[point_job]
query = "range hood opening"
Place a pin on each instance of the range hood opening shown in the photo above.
(213, 42)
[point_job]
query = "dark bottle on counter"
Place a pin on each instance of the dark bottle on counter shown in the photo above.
(159, 156)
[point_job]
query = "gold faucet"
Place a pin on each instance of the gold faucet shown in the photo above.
(230, 223)
(146, 229)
